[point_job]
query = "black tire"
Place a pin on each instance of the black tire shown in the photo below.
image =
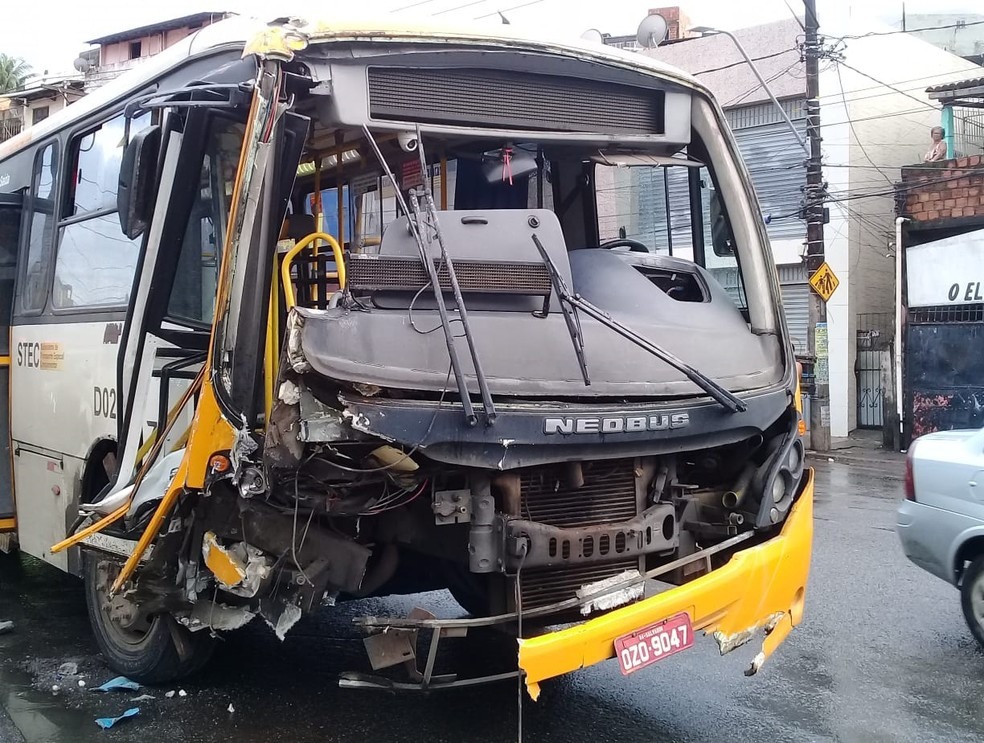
(159, 652)
(471, 595)
(972, 598)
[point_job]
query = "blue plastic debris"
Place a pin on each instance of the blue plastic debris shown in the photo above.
(120, 683)
(107, 722)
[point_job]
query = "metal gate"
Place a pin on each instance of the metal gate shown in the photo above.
(874, 346)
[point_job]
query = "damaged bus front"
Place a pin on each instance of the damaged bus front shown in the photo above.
(420, 310)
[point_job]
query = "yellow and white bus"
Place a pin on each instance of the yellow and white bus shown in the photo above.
(306, 312)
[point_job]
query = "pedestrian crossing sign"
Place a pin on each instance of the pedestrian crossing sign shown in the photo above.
(824, 281)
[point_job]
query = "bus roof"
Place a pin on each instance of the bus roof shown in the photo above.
(238, 31)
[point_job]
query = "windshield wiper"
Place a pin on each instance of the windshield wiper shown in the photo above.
(570, 316)
(722, 396)
(434, 224)
(413, 217)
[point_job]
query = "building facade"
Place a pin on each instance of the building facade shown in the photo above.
(124, 50)
(942, 303)
(875, 118)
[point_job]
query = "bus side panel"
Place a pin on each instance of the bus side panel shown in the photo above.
(45, 508)
(63, 399)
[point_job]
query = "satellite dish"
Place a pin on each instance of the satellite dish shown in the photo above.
(593, 35)
(82, 64)
(652, 31)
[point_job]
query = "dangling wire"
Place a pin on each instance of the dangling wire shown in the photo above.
(518, 599)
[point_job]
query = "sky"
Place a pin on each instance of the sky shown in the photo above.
(52, 40)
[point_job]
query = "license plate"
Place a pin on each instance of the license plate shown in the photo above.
(657, 641)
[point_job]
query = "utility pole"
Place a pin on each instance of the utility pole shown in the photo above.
(814, 200)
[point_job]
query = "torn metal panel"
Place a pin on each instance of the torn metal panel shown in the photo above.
(295, 352)
(216, 616)
(320, 423)
(227, 568)
(727, 643)
(281, 621)
(597, 596)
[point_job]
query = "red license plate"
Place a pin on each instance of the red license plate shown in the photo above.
(657, 641)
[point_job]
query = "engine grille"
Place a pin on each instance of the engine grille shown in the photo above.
(608, 496)
(392, 273)
(513, 100)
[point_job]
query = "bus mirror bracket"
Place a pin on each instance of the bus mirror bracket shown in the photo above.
(138, 181)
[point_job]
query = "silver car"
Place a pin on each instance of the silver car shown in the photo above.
(941, 520)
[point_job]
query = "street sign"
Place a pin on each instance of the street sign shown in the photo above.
(824, 281)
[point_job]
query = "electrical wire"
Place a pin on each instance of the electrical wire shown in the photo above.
(908, 30)
(854, 132)
(741, 62)
(506, 10)
(416, 447)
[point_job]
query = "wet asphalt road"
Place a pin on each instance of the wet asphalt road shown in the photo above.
(883, 655)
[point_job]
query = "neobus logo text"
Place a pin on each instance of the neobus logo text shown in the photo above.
(616, 424)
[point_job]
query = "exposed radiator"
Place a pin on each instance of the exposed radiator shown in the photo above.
(607, 496)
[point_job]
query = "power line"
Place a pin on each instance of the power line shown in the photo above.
(507, 10)
(458, 7)
(412, 5)
(757, 85)
(742, 62)
(908, 30)
(854, 132)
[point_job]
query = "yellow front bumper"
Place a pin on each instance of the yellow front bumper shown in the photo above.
(762, 587)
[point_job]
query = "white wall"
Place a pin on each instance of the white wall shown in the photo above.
(869, 131)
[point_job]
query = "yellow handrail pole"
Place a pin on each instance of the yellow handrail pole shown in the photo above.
(275, 292)
(319, 219)
(289, 258)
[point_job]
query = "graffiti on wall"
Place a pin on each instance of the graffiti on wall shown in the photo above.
(947, 412)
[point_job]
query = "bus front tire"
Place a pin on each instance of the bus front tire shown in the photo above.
(151, 650)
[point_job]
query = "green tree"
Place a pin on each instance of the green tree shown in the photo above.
(13, 73)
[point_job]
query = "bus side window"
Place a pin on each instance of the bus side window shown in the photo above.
(95, 262)
(192, 298)
(40, 230)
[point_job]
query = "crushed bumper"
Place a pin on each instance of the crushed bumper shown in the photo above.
(762, 587)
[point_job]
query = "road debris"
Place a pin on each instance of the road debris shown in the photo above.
(120, 683)
(182, 693)
(55, 688)
(6, 626)
(143, 698)
(107, 722)
(170, 694)
(81, 683)
(69, 668)
(231, 709)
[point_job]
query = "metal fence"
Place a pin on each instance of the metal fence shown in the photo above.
(874, 342)
(9, 128)
(968, 131)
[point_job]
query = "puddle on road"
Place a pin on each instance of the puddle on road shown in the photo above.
(40, 717)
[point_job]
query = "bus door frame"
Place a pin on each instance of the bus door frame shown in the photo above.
(8, 202)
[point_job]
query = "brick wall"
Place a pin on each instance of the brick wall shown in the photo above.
(677, 22)
(951, 189)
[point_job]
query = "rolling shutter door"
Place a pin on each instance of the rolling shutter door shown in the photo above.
(796, 304)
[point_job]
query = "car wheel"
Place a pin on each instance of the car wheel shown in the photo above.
(972, 598)
(149, 649)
